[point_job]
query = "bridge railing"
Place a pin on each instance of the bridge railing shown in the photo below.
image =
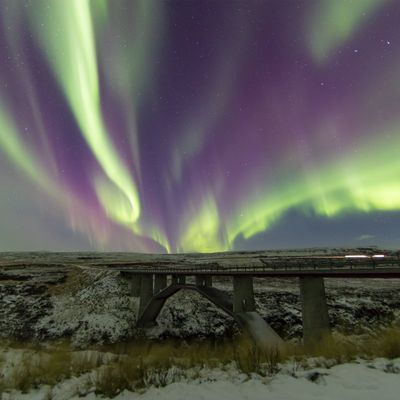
(271, 264)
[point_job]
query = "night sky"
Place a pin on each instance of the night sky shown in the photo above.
(196, 125)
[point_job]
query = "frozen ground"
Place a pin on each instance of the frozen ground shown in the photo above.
(367, 380)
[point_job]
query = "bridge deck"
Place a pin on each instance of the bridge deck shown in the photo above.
(332, 273)
(334, 267)
(307, 262)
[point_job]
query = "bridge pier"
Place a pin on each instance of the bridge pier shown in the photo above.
(146, 291)
(203, 280)
(134, 284)
(178, 279)
(181, 279)
(160, 282)
(243, 294)
(314, 310)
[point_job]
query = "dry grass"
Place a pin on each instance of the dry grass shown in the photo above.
(35, 369)
(340, 349)
(136, 365)
(251, 359)
(385, 343)
(336, 349)
(132, 374)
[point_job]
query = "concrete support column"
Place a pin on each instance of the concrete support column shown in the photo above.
(243, 294)
(203, 280)
(178, 279)
(314, 310)
(146, 291)
(160, 282)
(134, 284)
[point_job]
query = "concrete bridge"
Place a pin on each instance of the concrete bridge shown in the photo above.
(154, 281)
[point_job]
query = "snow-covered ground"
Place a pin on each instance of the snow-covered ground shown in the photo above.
(366, 380)
(343, 382)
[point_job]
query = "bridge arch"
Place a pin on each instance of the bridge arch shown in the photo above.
(249, 321)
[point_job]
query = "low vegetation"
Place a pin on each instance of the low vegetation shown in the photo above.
(109, 370)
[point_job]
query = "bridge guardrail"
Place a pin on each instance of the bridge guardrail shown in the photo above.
(277, 265)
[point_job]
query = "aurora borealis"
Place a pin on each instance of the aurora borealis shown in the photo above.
(198, 125)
